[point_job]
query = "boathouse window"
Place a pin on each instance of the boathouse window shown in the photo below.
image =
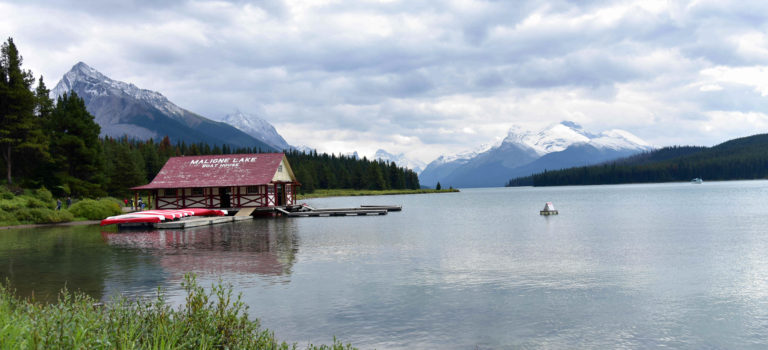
(197, 191)
(169, 192)
(252, 190)
(280, 168)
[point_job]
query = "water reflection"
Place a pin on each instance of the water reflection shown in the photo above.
(265, 248)
(40, 262)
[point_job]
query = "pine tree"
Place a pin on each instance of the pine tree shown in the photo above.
(438, 187)
(75, 146)
(19, 130)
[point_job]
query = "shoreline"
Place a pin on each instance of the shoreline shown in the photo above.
(316, 194)
(360, 193)
(70, 223)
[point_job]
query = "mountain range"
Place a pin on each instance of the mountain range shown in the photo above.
(123, 109)
(524, 152)
(738, 159)
(401, 160)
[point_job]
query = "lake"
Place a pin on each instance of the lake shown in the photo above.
(628, 266)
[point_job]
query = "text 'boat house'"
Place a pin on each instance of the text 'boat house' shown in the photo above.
(224, 181)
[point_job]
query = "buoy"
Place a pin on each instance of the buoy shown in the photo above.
(549, 209)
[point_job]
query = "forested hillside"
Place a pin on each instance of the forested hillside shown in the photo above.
(738, 159)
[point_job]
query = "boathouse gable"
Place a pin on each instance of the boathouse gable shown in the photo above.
(223, 181)
(284, 173)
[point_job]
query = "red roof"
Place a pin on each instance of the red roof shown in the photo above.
(217, 171)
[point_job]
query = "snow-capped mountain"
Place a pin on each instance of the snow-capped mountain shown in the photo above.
(463, 157)
(258, 128)
(558, 137)
(401, 160)
(523, 152)
(123, 109)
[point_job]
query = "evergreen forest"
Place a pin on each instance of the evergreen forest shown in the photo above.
(56, 145)
(739, 159)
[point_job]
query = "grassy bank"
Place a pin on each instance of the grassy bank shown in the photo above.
(39, 207)
(349, 192)
(214, 319)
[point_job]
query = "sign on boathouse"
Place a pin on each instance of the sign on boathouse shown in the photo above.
(224, 181)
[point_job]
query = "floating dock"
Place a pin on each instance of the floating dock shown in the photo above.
(307, 211)
(195, 222)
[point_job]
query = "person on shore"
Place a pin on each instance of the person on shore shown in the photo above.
(140, 204)
(130, 202)
(69, 201)
(58, 203)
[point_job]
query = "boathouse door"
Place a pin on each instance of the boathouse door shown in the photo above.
(280, 194)
(224, 193)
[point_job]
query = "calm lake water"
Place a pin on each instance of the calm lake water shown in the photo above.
(630, 266)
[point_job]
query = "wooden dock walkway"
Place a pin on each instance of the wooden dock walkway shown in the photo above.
(333, 212)
(307, 211)
(200, 221)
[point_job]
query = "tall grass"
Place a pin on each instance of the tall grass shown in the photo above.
(207, 320)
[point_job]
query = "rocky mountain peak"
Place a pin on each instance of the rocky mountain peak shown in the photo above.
(257, 127)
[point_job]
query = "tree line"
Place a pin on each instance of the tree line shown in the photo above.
(738, 159)
(56, 144)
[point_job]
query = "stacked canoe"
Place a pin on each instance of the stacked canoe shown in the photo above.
(158, 216)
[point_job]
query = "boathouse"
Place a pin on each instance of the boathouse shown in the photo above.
(224, 181)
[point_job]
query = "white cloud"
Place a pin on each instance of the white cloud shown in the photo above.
(424, 77)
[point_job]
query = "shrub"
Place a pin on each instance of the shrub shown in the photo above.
(44, 195)
(42, 215)
(95, 210)
(36, 203)
(60, 216)
(7, 218)
(5, 193)
(13, 203)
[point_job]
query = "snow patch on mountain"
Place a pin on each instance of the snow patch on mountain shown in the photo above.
(619, 139)
(558, 137)
(258, 128)
(465, 156)
(401, 160)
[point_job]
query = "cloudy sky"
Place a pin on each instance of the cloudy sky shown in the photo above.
(423, 77)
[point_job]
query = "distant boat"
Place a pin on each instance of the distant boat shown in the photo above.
(549, 209)
(697, 180)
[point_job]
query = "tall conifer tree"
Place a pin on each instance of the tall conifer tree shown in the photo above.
(18, 127)
(75, 146)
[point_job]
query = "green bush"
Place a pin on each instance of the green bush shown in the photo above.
(57, 216)
(42, 215)
(44, 195)
(95, 210)
(5, 193)
(13, 203)
(36, 203)
(7, 218)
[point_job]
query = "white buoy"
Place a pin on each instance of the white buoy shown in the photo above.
(549, 209)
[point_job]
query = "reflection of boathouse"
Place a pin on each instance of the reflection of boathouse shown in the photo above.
(223, 181)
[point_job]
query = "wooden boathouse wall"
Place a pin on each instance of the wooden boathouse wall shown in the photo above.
(240, 196)
(244, 180)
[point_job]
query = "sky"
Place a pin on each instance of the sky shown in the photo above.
(423, 78)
